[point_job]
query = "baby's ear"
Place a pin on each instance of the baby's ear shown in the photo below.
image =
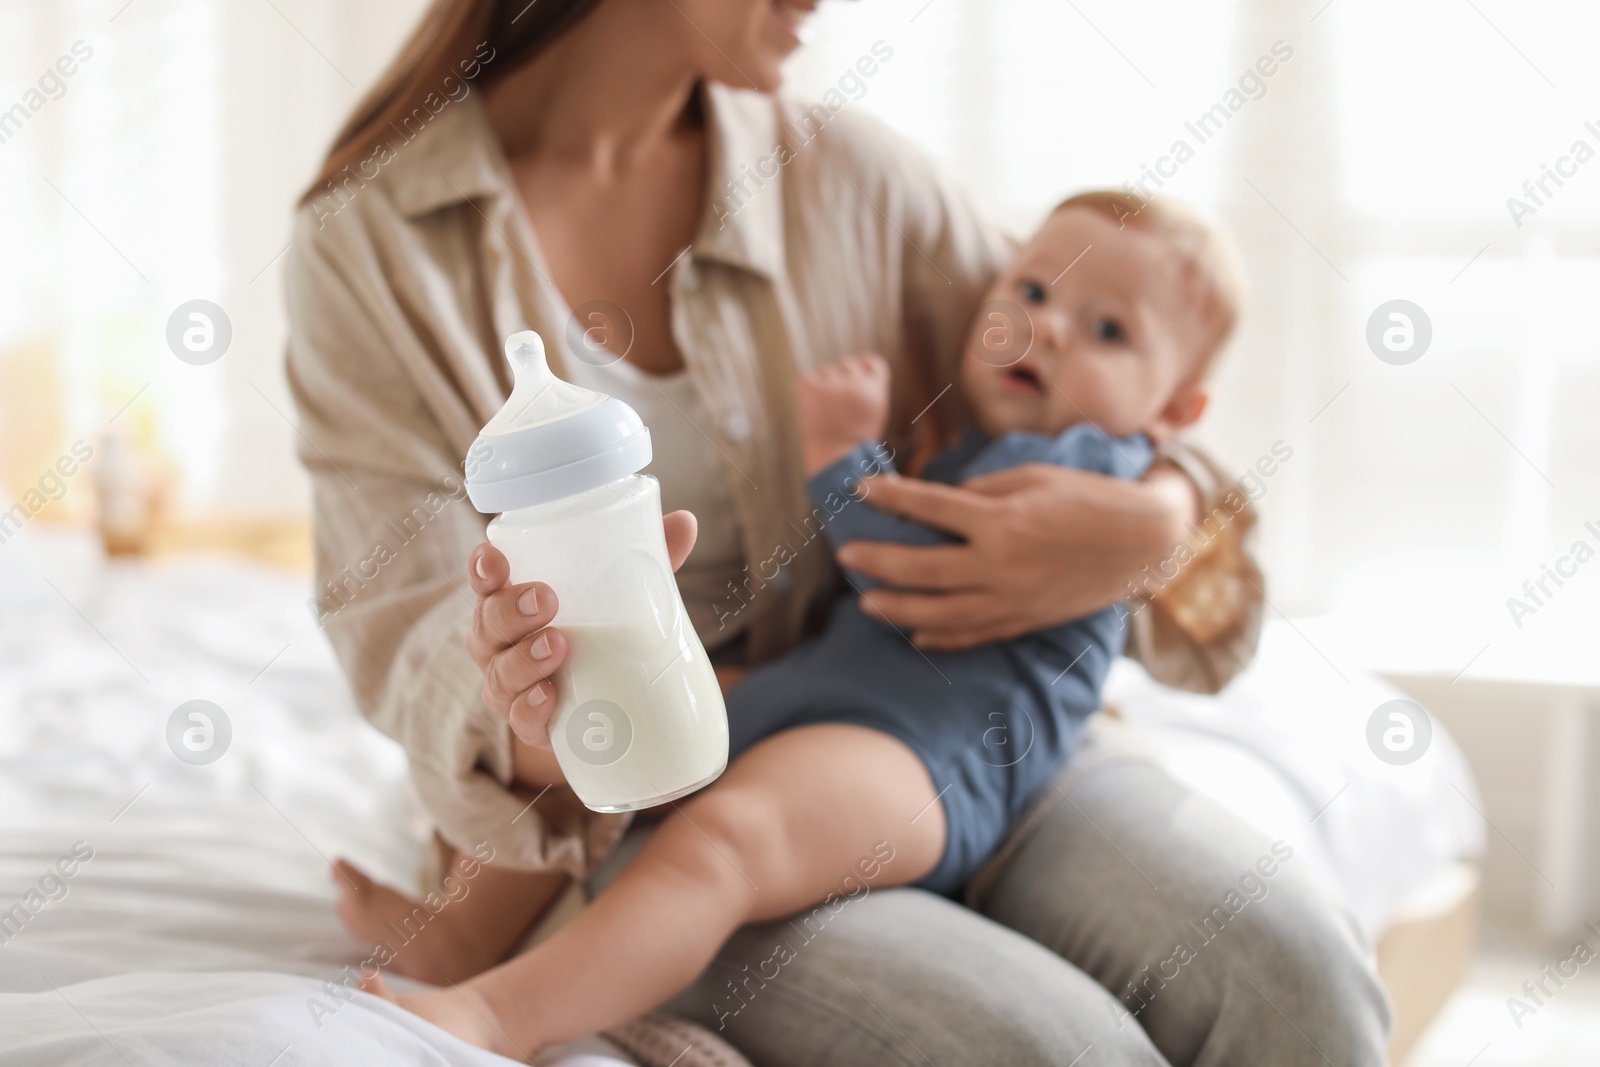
(1181, 411)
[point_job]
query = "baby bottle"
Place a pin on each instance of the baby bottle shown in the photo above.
(640, 718)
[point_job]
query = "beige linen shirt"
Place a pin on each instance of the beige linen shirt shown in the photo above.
(823, 235)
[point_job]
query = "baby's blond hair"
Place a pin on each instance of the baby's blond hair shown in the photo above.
(1212, 266)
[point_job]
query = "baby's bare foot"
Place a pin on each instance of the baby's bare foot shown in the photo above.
(433, 947)
(460, 1011)
(841, 406)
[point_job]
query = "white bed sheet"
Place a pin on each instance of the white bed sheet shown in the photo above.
(205, 920)
(1284, 747)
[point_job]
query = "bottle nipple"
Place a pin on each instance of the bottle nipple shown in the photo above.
(552, 439)
(525, 351)
(537, 395)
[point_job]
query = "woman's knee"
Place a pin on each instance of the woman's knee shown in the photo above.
(1209, 934)
(905, 977)
(1280, 976)
(1302, 959)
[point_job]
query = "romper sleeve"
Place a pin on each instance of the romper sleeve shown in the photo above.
(393, 530)
(847, 516)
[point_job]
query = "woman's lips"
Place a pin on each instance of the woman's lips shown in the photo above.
(1021, 379)
(792, 17)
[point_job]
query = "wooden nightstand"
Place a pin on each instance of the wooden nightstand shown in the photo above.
(278, 541)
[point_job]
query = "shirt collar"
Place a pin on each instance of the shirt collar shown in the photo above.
(453, 159)
(743, 220)
(456, 157)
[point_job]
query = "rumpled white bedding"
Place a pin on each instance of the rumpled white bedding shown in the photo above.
(203, 924)
(1285, 749)
(202, 929)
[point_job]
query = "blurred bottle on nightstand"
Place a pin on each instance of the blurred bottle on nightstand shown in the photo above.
(130, 494)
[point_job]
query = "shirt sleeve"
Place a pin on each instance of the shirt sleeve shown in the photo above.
(393, 532)
(1200, 627)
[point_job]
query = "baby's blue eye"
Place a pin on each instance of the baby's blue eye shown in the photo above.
(1033, 292)
(1109, 330)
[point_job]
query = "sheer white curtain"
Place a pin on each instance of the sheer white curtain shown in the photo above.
(162, 170)
(1375, 164)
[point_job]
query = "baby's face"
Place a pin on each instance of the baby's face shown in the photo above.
(1115, 336)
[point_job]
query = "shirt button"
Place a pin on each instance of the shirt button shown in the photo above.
(736, 424)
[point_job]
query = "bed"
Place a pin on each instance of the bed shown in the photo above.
(197, 925)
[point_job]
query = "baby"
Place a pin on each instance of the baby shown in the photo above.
(860, 750)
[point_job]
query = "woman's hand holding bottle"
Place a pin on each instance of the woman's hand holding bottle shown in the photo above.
(518, 651)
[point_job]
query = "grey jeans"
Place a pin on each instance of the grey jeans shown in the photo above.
(1127, 921)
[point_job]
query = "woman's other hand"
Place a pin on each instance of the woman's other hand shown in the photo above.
(1044, 544)
(518, 651)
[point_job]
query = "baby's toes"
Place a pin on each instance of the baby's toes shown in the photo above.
(363, 903)
(353, 883)
(378, 987)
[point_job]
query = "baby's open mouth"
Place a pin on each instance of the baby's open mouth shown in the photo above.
(1023, 379)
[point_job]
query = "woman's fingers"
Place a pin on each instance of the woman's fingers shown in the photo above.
(972, 611)
(505, 614)
(530, 713)
(942, 567)
(487, 569)
(681, 529)
(512, 644)
(513, 670)
(508, 615)
(1015, 479)
(956, 640)
(945, 507)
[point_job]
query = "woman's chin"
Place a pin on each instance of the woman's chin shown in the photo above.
(764, 75)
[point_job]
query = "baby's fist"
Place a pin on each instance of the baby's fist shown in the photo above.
(841, 406)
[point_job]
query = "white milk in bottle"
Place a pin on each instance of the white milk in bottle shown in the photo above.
(640, 718)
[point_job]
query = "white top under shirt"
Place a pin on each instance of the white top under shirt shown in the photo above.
(693, 477)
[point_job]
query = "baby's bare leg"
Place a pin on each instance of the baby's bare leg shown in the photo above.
(470, 925)
(782, 829)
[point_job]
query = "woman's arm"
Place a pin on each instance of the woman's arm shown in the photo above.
(394, 531)
(1046, 544)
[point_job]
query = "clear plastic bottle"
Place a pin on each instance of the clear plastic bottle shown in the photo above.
(640, 718)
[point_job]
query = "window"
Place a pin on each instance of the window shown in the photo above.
(1375, 165)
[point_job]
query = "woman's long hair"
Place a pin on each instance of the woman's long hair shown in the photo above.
(453, 37)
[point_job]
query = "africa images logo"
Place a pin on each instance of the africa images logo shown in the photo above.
(599, 732)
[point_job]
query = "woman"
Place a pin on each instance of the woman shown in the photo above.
(616, 175)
